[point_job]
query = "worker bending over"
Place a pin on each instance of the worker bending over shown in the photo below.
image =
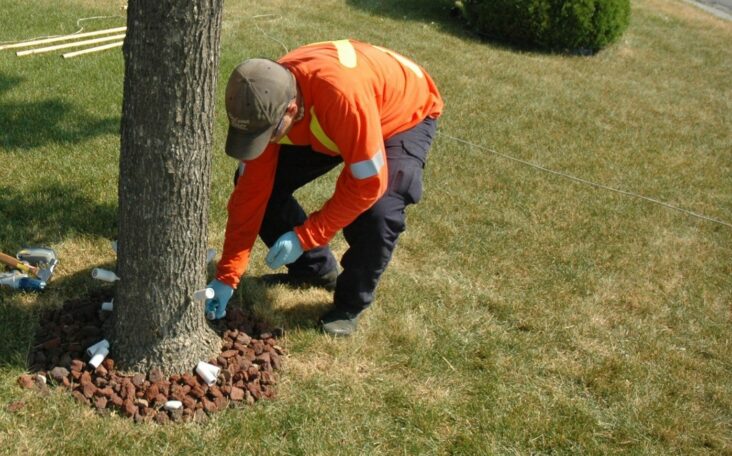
(294, 120)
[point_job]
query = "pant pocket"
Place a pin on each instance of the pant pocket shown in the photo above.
(416, 150)
(406, 180)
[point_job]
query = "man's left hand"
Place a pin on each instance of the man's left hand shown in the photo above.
(285, 250)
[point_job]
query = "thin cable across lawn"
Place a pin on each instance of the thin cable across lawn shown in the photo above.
(588, 182)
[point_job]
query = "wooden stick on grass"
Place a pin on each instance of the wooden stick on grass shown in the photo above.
(68, 45)
(62, 38)
(68, 55)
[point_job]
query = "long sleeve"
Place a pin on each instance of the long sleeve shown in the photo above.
(246, 208)
(355, 129)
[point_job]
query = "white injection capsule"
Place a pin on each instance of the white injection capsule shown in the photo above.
(92, 350)
(108, 306)
(99, 357)
(202, 295)
(208, 372)
(173, 405)
(103, 274)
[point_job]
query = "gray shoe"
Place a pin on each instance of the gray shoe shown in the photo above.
(327, 280)
(339, 323)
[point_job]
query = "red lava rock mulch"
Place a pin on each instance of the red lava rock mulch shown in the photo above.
(248, 368)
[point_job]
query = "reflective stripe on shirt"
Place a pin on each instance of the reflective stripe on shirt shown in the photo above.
(285, 140)
(319, 134)
(404, 61)
(346, 53)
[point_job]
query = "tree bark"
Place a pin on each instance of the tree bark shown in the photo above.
(171, 56)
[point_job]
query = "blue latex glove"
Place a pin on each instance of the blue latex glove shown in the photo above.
(216, 306)
(285, 250)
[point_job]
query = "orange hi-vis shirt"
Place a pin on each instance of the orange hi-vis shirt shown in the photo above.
(354, 95)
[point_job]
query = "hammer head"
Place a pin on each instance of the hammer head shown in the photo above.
(42, 258)
(45, 271)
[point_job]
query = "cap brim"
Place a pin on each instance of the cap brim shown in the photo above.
(247, 146)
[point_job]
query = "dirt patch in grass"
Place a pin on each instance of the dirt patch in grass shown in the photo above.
(247, 363)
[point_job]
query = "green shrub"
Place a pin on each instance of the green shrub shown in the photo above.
(574, 25)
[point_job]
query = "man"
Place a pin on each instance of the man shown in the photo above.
(294, 120)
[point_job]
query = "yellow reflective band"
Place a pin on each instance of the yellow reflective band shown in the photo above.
(404, 61)
(285, 140)
(319, 134)
(346, 53)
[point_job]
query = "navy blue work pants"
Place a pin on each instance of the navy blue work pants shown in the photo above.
(372, 237)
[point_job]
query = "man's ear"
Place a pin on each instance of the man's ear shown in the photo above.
(292, 108)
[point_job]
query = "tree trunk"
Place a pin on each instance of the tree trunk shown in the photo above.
(171, 64)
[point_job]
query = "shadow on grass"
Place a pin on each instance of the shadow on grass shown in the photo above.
(36, 123)
(257, 297)
(50, 213)
(441, 12)
(25, 316)
(448, 18)
(17, 328)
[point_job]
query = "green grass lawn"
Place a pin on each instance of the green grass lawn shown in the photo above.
(523, 313)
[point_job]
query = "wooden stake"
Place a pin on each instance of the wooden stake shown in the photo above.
(68, 45)
(68, 55)
(62, 38)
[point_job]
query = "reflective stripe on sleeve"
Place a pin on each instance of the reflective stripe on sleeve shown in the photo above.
(368, 168)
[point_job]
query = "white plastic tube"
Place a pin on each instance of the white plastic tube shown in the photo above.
(210, 255)
(92, 350)
(103, 274)
(202, 295)
(114, 246)
(99, 357)
(173, 405)
(108, 306)
(208, 372)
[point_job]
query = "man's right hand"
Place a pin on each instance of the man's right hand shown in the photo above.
(216, 306)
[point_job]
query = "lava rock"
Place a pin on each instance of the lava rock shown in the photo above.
(237, 394)
(138, 380)
(26, 381)
(58, 374)
(108, 364)
(155, 375)
(247, 368)
(100, 403)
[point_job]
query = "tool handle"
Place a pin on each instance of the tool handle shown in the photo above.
(14, 263)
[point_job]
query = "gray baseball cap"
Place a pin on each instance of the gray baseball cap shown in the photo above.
(257, 96)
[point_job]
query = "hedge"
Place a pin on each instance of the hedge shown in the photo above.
(573, 25)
